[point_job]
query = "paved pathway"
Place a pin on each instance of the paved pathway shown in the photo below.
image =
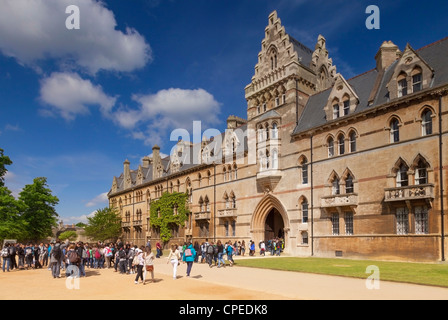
(295, 285)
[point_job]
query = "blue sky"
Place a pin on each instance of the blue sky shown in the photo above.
(74, 104)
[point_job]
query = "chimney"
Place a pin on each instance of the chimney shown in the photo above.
(157, 162)
(126, 174)
(386, 55)
(146, 161)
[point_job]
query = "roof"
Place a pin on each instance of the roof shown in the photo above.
(435, 55)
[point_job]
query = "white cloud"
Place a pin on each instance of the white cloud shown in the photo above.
(100, 199)
(34, 30)
(167, 110)
(75, 220)
(68, 95)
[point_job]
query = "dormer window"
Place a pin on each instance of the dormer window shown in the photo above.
(335, 111)
(346, 106)
(416, 80)
(402, 85)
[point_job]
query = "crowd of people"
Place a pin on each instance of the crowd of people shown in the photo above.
(74, 258)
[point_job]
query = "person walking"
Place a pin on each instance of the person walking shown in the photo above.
(220, 254)
(159, 249)
(138, 263)
(188, 257)
(230, 250)
(174, 258)
(149, 264)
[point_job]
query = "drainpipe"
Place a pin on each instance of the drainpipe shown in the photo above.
(442, 223)
(312, 197)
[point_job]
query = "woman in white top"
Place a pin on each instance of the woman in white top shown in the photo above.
(174, 258)
(139, 262)
(149, 264)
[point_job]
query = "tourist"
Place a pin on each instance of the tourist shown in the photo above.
(122, 260)
(138, 263)
(203, 251)
(107, 255)
(243, 248)
(174, 258)
(149, 264)
(29, 255)
(56, 257)
(21, 256)
(188, 256)
(262, 248)
(131, 254)
(210, 254)
(159, 250)
(220, 248)
(230, 250)
(197, 248)
(252, 248)
(6, 257)
(12, 253)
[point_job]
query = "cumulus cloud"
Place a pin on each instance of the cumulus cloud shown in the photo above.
(68, 95)
(32, 31)
(167, 110)
(100, 199)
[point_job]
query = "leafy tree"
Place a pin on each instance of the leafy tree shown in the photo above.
(104, 225)
(4, 161)
(40, 212)
(12, 225)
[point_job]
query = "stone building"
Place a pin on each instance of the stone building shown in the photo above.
(336, 167)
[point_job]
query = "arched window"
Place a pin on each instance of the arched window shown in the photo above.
(426, 122)
(336, 109)
(341, 144)
(267, 131)
(352, 141)
(235, 171)
(330, 144)
(349, 184)
(402, 176)
(394, 130)
(421, 173)
(304, 164)
(268, 160)
(402, 85)
(416, 79)
(260, 133)
(335, 190)
(304, 211)
(224, 173)
(274, 131)
(346, 101)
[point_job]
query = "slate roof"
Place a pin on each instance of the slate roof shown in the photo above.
(435, 55)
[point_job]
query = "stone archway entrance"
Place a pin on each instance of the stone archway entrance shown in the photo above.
(270, 220)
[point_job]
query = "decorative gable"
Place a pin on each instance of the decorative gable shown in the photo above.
(412, 74)
(342, 100)
(322, 65)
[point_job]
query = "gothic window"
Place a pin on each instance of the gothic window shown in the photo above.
(335, 224)
(349, 188)
(330, 144)
(402, 176)
(274, 131)
(335, 111)
(402, 85)
(394, 130)
(341, 144)
(349, 223)
(267, 131)
(304, 237)
(274, 159)
(426, 122)
(305, 211)
(235, 171)
(335, 188)
(416, 79)
(346, 105)
(352, 141)
(421, 174)
(304, 164)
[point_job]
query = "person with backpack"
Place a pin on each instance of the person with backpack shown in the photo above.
(189, 255)
(29, 256)
(230, 250)
(12, 253)
(122, 260)
(220, 249)
(6, 257)
(56, 257)
(21, 255)
(210, 254)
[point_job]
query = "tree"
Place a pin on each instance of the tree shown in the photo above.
(40, 212)
(104, 225)
(4, 161)
(70, 235)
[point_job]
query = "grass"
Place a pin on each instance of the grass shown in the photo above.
(418, 273)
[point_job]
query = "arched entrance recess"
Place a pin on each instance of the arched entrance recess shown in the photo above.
(270, 218)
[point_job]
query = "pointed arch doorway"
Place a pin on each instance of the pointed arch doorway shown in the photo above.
(270, 220)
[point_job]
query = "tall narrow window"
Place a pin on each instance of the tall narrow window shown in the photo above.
(349, 223)
(349, 184)
(346, 107)
(427, 122)
(335, 111)
(330, 147)
(341, 144)
(352, 138)
(402, 176)
(421, 174)
(335, 224)
(305, 211)
(394, 131)
(275, 159)
(402, 85)
(274, 131)
(417, 82)
(335, 187)
(421, 220)
(402, 217)
(304, 172)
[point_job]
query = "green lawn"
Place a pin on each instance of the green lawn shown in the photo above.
(419, 273)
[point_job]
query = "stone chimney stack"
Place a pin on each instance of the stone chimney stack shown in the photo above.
(127, 174)
(146, 161)
(386, 55)
(157, 162)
